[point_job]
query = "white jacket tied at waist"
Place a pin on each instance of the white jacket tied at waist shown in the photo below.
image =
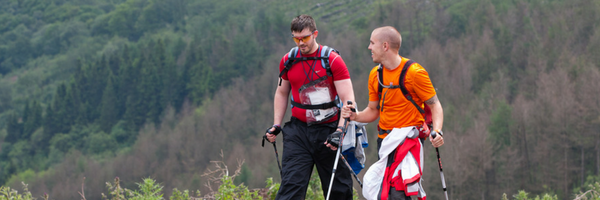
(409, 166)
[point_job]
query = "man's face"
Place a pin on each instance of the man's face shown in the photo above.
(376, 47)
(305, 40)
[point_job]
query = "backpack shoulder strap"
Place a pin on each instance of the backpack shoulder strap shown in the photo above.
(325, 52)
(380, 80)
(403, 87)
(380, 86)
(288, 64)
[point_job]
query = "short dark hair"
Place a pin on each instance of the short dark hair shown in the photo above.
(391, 35)
(301, 22)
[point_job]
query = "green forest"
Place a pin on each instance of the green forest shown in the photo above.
(91, 90)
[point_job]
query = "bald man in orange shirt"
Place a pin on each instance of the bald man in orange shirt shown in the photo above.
(394, 110)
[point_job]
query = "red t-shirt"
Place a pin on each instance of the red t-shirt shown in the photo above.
(306, 71)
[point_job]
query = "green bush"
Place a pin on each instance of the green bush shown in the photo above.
(6, 193)
(522, 195)
(149, 190)
(180, 195)
(228, 190)
(592, 193)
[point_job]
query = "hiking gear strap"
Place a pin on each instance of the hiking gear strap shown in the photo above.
(400, 85)
(293, 59)
(403, 86)
(319, 106)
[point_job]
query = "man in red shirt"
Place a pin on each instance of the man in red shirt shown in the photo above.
(319, 81)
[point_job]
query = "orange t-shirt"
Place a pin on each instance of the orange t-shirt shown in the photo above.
(397, 110)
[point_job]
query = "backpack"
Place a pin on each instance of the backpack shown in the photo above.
(293, 59)
(426, 111)
(324, 57)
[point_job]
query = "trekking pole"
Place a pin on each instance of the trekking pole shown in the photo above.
(276, 154)
(337, 155)
(354, 174)
(433, 134)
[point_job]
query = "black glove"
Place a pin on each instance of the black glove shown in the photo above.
(334, 139)
(276, 131)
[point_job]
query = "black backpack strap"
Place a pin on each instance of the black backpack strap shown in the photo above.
(293, 58)
(312, 83)
(327, 105)
(379, 87)
(403, 87)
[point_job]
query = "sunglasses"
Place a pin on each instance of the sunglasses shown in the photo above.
(302, 38)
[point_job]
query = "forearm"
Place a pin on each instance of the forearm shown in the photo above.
(279, 108)
(345, 92)
(280, 102)
(437, 112)
(369, 114)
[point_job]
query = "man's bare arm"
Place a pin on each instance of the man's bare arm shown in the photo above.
(345, 92)
(437, 112)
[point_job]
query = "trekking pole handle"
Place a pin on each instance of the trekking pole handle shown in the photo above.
(350, 103)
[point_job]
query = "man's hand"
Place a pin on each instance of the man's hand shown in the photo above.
(272, 133)
(436, 138)
(349, 112)
(271, 137)
(333, 141)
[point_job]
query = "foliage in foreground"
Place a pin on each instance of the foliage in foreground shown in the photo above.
(592, 192)
(148, 189)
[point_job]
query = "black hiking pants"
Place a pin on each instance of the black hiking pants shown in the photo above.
(303, 148)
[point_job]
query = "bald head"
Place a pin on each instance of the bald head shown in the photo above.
(390, 35)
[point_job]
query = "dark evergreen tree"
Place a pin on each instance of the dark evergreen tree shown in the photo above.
(114, 62)
(26, 111)
(150, 90)
(109, 113)
(126, 79)
(50, 122)
(78, 93)
(61, 110)
(199, 75)
(136, 109)
(167, 71)
(96, 76)
(33, 121)
(201, 82)
(14, 129)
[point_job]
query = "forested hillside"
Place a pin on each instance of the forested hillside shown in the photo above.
(144, 88)
(86, 75)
